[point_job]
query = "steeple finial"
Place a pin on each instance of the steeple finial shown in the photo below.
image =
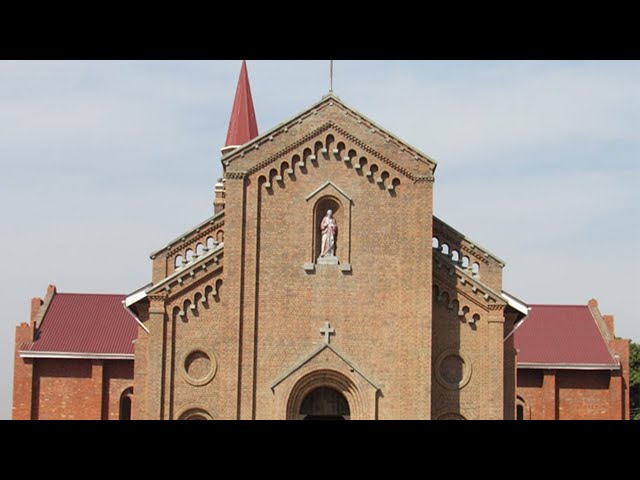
(331, 77)
(243, 126)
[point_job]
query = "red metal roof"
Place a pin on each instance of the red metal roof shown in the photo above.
(86, 323)
(561, 334)
(243, 126)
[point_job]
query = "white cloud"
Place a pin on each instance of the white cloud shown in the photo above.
(504, 111)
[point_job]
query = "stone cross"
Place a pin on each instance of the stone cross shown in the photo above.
(327, 331)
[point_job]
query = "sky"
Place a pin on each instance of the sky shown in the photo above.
(103, 162)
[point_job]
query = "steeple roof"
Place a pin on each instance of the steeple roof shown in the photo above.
(243, 126)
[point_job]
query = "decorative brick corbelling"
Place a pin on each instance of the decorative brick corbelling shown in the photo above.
(289, 149)
(331, 125)
(361, 144)
(158, 297)
(235, 175)
(424, 179)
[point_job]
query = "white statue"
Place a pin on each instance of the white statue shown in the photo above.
(329, 228)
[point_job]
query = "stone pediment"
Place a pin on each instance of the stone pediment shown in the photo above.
(323, 356)
(326, 188)
(331, 117)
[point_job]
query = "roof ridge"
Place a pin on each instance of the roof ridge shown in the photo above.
(93, 294)
(557, 305)
(307, 112)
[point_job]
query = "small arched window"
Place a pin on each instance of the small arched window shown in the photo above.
(125, 404)
(445, 249)
(521, 408)
(435, 243)
(475, 269)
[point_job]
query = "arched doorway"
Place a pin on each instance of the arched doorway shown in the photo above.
(352, 405)
(325, 403)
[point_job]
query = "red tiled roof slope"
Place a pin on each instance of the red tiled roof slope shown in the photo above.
(86, 323)
(561, 334)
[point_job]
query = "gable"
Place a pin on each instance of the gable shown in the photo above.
(330, 118)
(331, 353)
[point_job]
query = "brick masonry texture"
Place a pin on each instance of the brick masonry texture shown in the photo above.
(267, 319)
(416, 336)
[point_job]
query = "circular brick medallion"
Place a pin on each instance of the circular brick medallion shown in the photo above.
(453, 370)
(199, 367)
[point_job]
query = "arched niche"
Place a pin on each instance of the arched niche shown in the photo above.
(329, 196)
(322, 206)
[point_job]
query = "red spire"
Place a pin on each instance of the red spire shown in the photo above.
(242, 126)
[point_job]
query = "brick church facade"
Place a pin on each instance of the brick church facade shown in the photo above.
(323, 287)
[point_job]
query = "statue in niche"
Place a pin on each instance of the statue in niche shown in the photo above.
(329, 228)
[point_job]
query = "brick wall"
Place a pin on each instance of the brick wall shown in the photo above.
(270, 311)
(67, 389)
(570, 394)
(584, 395)
(481, 346)
(70, 389)
(22, 376)
(620, 348)
(380, 310)
(118, 377)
